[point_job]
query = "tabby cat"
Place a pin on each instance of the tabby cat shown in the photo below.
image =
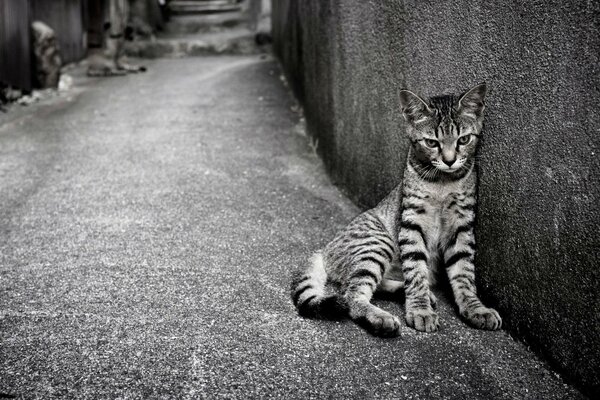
(423, 227)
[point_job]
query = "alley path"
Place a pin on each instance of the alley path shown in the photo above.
(148, 227)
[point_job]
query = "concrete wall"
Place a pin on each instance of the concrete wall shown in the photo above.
(539, 213)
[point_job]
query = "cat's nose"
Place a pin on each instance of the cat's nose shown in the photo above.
(449, 162)
(448, 156)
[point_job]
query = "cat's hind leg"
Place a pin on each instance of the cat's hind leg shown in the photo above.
(358, 293)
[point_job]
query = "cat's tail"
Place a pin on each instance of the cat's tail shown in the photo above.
(308, 293)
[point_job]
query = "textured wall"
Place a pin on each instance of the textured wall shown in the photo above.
(15, 44)
(539, 183)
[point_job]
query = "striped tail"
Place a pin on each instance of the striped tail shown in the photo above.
(308, 293)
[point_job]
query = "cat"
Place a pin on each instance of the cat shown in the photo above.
(424, 227)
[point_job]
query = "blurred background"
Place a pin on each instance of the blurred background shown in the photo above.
(75, 29)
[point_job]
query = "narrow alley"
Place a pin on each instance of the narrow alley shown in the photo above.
(148, 229)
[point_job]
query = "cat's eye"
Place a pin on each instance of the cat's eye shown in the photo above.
(464, 140)
(431, 143)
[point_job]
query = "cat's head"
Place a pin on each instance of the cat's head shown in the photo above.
(444, 131)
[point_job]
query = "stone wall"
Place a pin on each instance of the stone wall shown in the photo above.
(539, 213)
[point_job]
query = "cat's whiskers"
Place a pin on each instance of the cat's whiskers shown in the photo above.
(428, 172)
(434, 173)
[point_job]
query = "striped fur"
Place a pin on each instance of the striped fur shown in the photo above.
(422, 228)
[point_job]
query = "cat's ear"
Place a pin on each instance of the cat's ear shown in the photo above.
(414, 109)
(472, 102)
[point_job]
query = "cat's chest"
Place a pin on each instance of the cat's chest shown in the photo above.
(437, 222)
(439, 217)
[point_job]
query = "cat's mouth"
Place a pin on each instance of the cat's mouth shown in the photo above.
(448, 169)
(432, 170)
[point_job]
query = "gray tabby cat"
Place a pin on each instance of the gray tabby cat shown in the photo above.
(424, 226)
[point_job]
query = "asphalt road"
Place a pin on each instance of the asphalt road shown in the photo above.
(148, 228)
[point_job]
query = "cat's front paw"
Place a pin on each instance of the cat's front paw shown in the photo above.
(380, 323)
(422, 320)
(483, 318)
